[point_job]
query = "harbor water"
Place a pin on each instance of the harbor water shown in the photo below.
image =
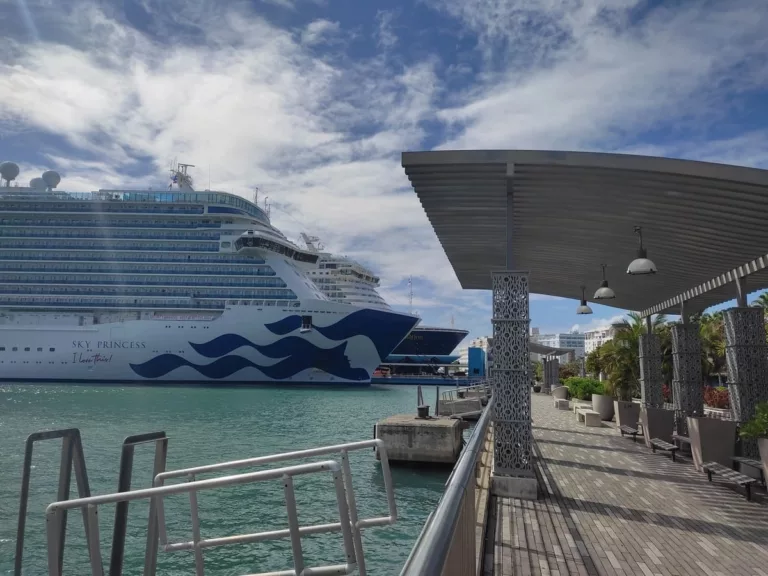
(206, 425)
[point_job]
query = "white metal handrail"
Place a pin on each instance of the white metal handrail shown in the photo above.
(349, 524)
(343, 450)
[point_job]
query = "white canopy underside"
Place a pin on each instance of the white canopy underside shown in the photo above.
(703, 224)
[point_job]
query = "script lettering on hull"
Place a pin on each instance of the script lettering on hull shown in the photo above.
(80, 358)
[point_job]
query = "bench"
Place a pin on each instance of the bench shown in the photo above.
(752, 463)
(589, 417)
(662, 445)
(730, 475)
(624, 429)
(562, 404)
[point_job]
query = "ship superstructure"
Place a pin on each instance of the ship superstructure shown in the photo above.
(343, 279)
(170, 285)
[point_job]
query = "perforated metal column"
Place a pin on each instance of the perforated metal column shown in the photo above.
(510, 378)
(551, 375)
(650, 371)
(745, 355)
(687, 384)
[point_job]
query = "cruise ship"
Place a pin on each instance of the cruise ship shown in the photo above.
(345, 280)
(169, 286)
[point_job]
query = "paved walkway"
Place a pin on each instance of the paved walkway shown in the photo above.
(613, 507)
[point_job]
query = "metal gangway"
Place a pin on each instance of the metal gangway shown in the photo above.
(72, 458)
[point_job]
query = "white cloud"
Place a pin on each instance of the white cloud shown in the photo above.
(574, 75)
(319, 31)
(598, 323)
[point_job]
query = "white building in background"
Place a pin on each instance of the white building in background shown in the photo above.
(573, 340)
(598, 337)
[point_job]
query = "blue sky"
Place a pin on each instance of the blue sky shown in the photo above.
(313, 101)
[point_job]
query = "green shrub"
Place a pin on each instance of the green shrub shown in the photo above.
(583, 388)
(757, 426)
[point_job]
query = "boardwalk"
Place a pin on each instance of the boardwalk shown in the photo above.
(613, 507)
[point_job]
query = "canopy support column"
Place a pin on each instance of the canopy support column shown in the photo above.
(551, 375)
(687, 391)
(747, 362)
(650, 368)
(513, 474)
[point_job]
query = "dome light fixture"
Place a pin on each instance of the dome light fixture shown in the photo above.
(604, 292)
(583, 308)
(641, 265)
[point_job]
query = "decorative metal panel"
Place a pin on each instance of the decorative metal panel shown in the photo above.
(650, 371)
(510, 376)
(746, 356)
(687, 385)
(551, 375)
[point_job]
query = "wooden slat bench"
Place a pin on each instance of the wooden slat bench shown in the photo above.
(730, 475)
(624, 429)
(752, 463)
(663, 445)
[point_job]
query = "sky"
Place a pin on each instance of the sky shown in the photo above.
(312, 101)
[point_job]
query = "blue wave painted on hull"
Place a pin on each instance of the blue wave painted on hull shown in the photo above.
(285, 325)
(332, 361)
(384, 329)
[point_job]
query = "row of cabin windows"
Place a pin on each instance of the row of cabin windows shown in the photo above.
(255, 270)
(127, 208)
(113, 222)
(108, 233)
(143, 280)
(127, 257)
(113, 244)
(27, 349)
(195, 292)
(28, 302)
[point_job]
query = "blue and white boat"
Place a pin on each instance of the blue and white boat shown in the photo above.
(169, 286)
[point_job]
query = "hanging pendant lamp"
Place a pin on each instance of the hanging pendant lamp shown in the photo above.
(604, 292)
(641, 265)
(583, 308)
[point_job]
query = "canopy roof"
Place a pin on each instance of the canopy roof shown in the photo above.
(703, 224)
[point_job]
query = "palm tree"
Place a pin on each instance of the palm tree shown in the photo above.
(620, 357)
(712, 335)
(761, 301)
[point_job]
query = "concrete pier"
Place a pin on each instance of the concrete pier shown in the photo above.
(428, 440)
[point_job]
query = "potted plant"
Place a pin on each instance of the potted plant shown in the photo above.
(537, 388)
(757, 428)
(602, 400)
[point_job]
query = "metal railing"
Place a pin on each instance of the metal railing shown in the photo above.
(481, 389)
(343, 450)
(349, 524)
(444, 533)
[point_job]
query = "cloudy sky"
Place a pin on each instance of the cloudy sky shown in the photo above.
(313, 101)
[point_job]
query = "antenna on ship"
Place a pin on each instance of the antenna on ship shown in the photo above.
(255, 191)
(410, 294)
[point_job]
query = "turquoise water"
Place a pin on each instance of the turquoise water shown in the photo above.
(206, 425)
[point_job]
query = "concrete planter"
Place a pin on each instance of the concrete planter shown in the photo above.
(561, 392)
(657, 423)
(712, 440)
(627, 413)
(604, 405)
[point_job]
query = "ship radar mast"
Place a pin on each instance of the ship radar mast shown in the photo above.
(180, 177)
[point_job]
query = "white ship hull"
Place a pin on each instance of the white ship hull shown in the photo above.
(242, 345)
